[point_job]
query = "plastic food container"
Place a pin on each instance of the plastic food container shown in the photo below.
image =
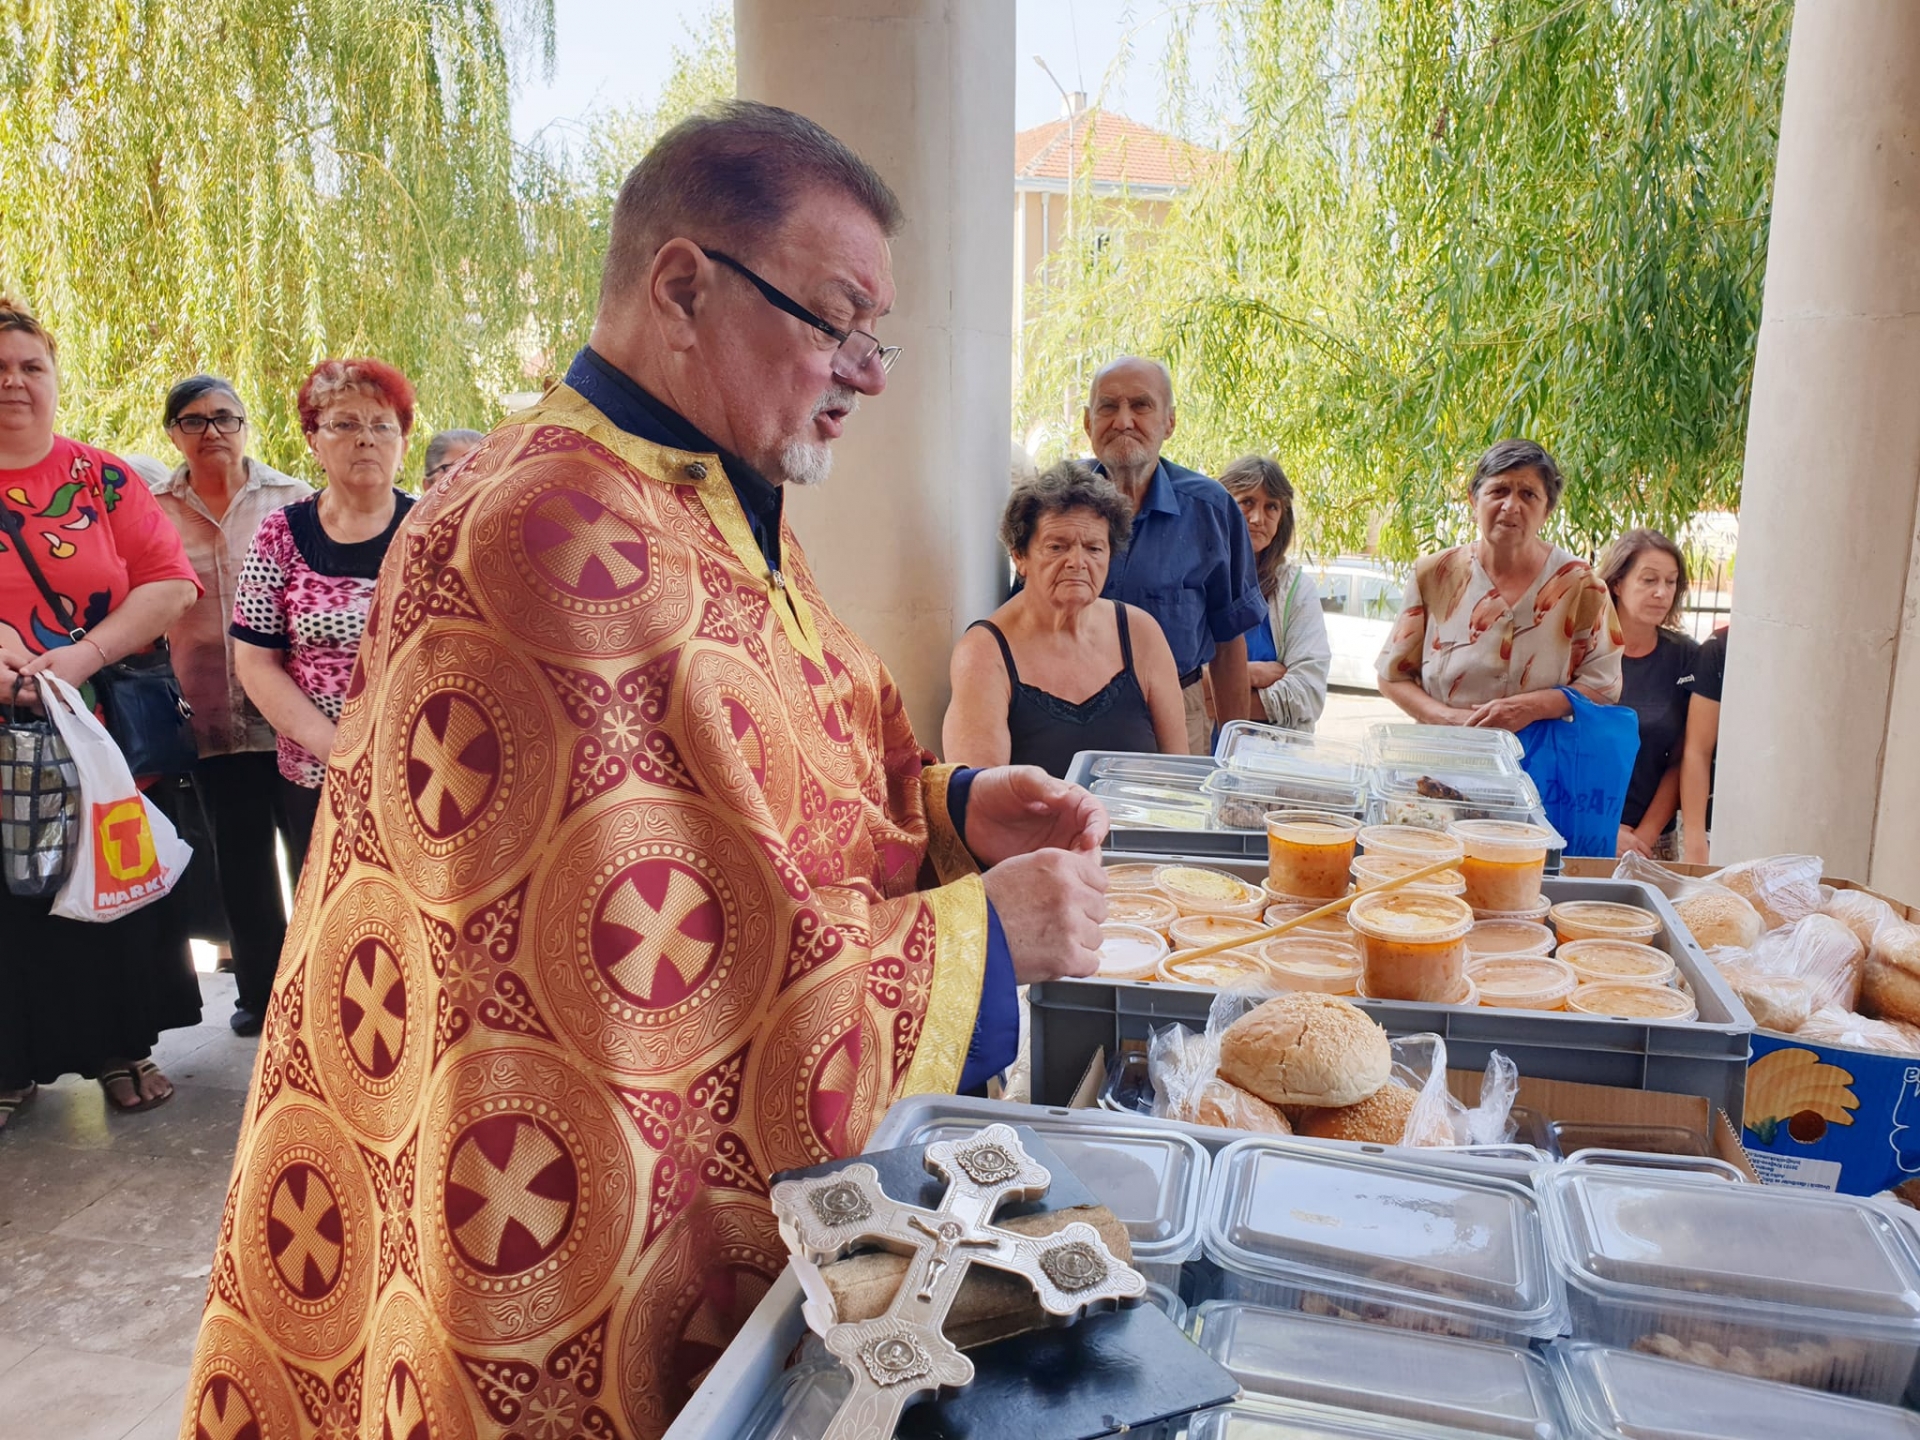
(1434, 1249)
(1816, 1290)
(1184, 771)
(1385, 735)
(1274, 750)
(1279, 1420)
(1152, 1180)
(1229, 970)
(1141, 907)
(1422, 844)
(1624, 1000)
(1603, 920)
(1330, 927)
(1310, 853)
(1468, 1385)
(1414, 943)
(1242, 800)
(1490, 938)
(1523, 982)
(1504, 862)
(1132, 876)
(1141, 815)
(1600, 962)
(1536, 912)
(1309, 962)
(1196, 890)
(1373, 870)
(1436, 796)
(1190, 932)
(1130, 952)
(1621, 1395)
(1167, 1301)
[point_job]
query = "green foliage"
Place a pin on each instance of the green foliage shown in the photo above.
(248, 186)
(1440, 222)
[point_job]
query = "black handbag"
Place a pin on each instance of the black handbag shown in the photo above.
(146, 713)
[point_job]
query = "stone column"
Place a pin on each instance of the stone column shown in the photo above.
(1820, 726)
(902, 534)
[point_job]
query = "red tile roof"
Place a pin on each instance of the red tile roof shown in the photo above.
(1124, 152)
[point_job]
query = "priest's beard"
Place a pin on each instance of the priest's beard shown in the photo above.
(809, 462)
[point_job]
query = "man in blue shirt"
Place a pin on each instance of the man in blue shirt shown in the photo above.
(1190, 564)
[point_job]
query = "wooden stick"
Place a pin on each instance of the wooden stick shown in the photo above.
(1332, 907)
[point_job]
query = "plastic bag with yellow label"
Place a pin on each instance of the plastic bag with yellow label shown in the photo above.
(129, 854)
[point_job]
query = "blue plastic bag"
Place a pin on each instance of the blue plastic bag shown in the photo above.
(1581, 766)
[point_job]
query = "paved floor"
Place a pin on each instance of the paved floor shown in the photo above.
(107, 1225)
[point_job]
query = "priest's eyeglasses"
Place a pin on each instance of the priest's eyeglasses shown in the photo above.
(225, 421)
(857, 348)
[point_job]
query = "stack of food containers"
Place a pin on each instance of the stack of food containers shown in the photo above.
(1441, 1251)
(1775, 1284)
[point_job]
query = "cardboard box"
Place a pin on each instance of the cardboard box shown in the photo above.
(1826, 1117)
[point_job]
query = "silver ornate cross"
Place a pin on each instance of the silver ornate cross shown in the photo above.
(904, 1353)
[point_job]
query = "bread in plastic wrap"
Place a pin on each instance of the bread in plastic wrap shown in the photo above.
(1819, 950)
(1776, 1002)
(1380, 1119)
(1831, 1026)
(1860, 912)
(1183, 1066)
(1891, 986)
(1717, 916)
(1306, 1048)
(1783, 888)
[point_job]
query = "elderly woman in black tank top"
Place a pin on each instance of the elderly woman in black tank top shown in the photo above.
(1057, 669)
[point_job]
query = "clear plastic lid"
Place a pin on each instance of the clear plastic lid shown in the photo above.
(1522, 982)
(1623, 1395)
(1281, 1420)
(1504, 842)
(1152, 1180)
(1301, 961)
(1140, 815)
(1506, 937)
(1536, 914)
(1601, 961)
(1273, 750)
(1364, 1230)
(1130, 952)
(1186, 772)
(1603, 920)
(1386, 734)
(1374, 869)
(1469, 1385)
(1190, 932)
(1486, 787)
(1252, 794)
(1734, 1252)
(1226, 970)
(1158, 792)
(1629, 1000)
(1141, 907)
(1411, 916)
(1133, 875)
(1332, 927)
(1197, 889)
(1418, 841)
(801, 1403)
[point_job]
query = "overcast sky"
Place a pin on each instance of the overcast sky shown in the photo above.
(611, 53)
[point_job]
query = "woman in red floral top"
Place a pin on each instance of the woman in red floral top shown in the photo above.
(91, 998)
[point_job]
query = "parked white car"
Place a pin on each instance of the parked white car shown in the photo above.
(1360, 598)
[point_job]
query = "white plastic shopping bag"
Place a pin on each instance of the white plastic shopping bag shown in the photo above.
(129, 854)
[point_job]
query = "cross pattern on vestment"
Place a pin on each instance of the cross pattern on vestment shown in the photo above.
(373, 983)
(308, 1248)
(506, 1193)
(605, 538)
(902, 1354)
(660, 939)
(448, 776)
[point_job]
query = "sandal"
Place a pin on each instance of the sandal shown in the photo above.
(136, 1073)
(11, 1103)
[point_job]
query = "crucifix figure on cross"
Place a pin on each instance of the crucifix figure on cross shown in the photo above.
(904, 1353)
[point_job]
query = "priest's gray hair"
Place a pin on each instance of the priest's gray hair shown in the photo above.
(727, 178)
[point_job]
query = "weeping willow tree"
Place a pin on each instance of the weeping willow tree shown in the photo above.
(247, 186)
(1435, 223)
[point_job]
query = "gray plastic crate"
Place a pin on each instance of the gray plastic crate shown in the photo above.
(1708, 1056)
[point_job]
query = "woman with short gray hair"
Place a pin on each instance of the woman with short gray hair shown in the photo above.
(1057, 669)
(1489, 633)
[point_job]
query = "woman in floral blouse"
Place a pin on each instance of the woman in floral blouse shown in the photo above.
(1490, 632)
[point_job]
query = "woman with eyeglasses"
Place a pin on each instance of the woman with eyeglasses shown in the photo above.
(217, 499)
(308, 580)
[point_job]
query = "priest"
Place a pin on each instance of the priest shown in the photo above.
(631, 884)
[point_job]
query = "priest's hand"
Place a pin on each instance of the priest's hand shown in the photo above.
(1018, 809)
(1050, 905)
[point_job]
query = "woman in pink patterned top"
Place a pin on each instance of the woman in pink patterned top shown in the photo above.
(301, 604)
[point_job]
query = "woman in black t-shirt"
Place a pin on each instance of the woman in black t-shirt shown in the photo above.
(1647, 576)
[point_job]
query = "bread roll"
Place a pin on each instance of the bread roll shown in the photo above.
(1720, 917)
(1232, 1108)
(1380, 1119)
(1306, 1048)
(1833, 1026)
(1776, 1002)
(1860, 912)
(1891, 986)
(1783, 888)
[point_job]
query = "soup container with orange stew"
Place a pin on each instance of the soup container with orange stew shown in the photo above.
(1191, 932)
(1327, 927)
(1603, 920)
(1536, 912)
(1503, 862)
(1310, 962)
(1414, 944)
(1130, 952)
(1309, 853)
(1196, 890)
(1523, 982)
(1372, 870)
(1229, 970)
(1141, 907)
(1618, 962)
(1633, 1002)
(1414, 841)
(1497, 939)
(1132, 876)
